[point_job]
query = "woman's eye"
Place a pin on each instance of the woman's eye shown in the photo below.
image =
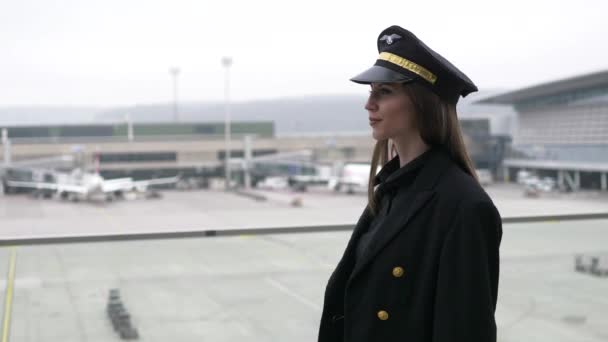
(380, 92)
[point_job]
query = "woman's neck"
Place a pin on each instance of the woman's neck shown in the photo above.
(409, 149)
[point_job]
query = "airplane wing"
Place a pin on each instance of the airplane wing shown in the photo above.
(58, 187)
(142, 185)
(118, 184)
(32, 185)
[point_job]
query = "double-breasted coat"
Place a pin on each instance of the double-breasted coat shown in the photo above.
(430, 272)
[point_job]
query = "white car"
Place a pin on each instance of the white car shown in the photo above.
(547, 184)
(273, 183)
(523, 176)
(484, 176)
(354, 177)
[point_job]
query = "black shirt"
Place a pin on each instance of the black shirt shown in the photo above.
(390, 180)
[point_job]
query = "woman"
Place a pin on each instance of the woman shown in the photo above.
(422, 263)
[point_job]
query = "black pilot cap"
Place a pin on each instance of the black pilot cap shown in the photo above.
(404, 58)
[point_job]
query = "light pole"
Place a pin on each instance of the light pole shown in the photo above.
(175, 73)
(227, 62)
(6, 143)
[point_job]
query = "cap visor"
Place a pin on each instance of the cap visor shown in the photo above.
(379, 74)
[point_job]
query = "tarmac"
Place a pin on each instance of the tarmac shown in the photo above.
(266, 287)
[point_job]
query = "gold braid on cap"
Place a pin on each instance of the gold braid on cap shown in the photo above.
(409, 65)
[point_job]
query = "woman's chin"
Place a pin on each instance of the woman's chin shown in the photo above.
(378, 135)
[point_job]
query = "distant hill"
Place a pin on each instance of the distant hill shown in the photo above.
(310, 114)
(302, 114)
(47, 115)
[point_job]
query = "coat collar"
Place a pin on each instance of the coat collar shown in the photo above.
(392, 173)
(436, 162)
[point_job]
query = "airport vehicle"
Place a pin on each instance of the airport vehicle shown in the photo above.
(293, 170)
(484, 176)
(353, 177)
(533, 185)
(547, 184)
(295, 182)
(273, 183)
(524, 176)
(302, 182)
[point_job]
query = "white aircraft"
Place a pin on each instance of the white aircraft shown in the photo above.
(80, 185)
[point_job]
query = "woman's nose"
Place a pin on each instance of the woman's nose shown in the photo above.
(371, 104)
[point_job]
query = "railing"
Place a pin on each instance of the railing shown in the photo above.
(57, 239)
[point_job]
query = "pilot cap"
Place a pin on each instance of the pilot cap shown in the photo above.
(404, 58)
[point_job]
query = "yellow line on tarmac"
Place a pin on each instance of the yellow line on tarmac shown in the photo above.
(8, 297)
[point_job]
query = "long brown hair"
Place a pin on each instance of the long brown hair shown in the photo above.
(437, 122)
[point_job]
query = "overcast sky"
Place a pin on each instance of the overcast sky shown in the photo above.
(118, 52)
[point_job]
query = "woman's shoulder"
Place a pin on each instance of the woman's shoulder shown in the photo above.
(461, 189)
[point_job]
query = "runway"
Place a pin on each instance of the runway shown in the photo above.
(267, 287)
(197, 210)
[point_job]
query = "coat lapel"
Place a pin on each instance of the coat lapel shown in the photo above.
(346, 264)
(390, 229)
(423, 192)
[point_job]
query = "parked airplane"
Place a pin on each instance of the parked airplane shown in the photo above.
(80, 185)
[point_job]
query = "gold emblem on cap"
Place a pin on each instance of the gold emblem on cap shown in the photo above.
(409, 65)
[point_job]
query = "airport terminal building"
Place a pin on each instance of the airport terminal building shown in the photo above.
(196, 150)
(562, 131)
(193, 150)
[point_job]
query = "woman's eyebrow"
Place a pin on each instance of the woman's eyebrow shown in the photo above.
(378, 85)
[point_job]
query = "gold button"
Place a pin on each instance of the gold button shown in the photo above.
(398, 272)
(383, 315)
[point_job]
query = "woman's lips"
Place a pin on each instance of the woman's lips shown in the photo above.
(373, 121)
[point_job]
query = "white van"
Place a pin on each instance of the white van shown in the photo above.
(484, 176)
(353, 177)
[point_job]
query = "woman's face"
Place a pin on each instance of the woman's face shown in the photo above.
(391, 112)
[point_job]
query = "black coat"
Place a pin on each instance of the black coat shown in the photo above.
(430, 272)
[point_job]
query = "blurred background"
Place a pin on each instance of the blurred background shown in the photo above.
(193, 170)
